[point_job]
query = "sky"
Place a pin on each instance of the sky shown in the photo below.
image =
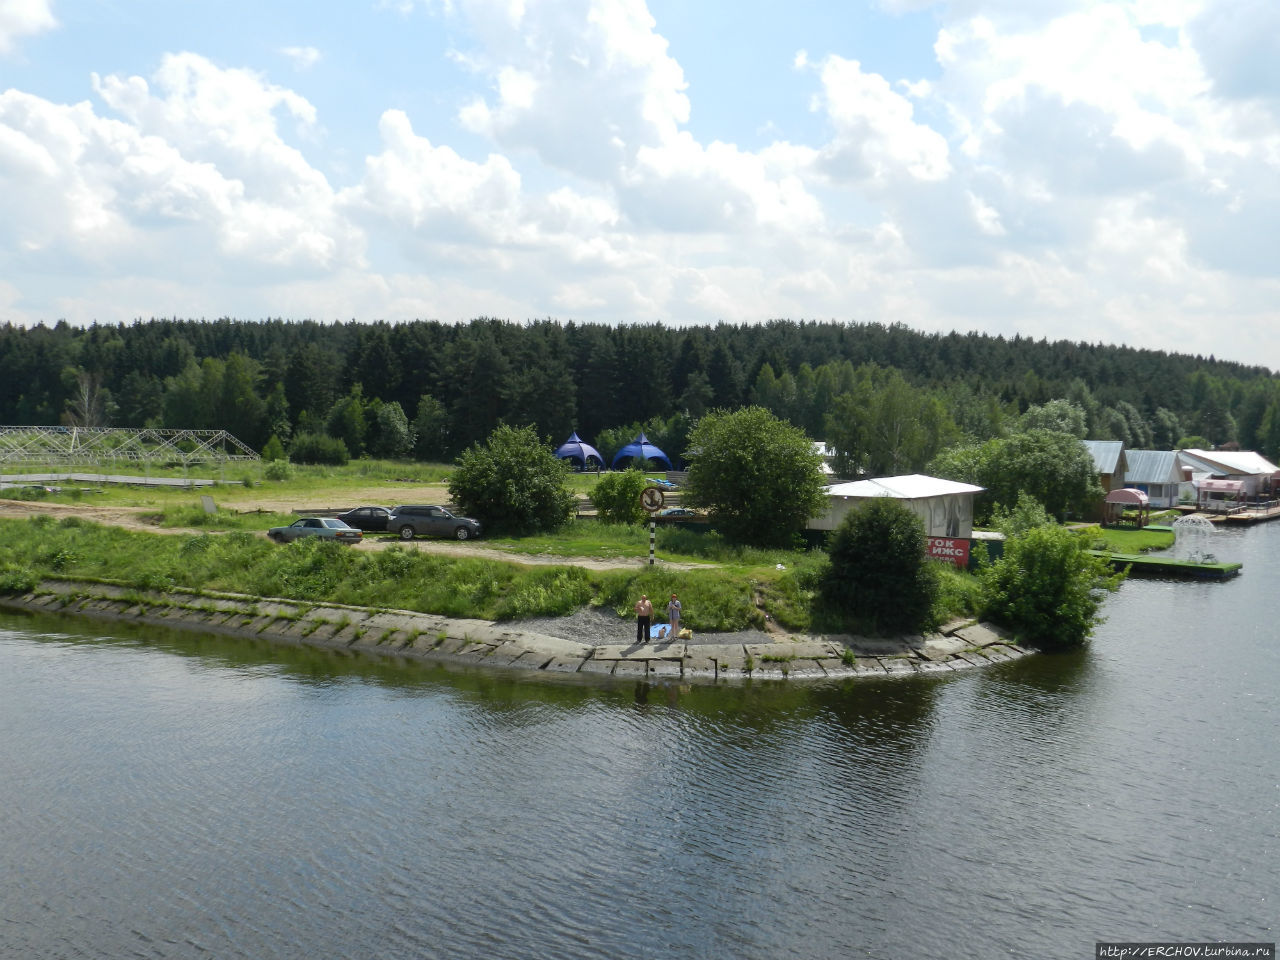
(1091, 170)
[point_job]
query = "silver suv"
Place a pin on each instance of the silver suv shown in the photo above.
(431, 521)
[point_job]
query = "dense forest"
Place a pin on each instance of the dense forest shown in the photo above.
(886, 397)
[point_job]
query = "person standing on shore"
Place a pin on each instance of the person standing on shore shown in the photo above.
(673, 615)
(644, 615)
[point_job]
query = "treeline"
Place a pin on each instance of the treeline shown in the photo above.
(887, 398)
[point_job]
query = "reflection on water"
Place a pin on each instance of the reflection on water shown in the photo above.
(171, 795)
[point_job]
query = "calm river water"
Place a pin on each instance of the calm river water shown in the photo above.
(173, 796)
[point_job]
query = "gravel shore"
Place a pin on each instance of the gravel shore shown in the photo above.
(597, 627)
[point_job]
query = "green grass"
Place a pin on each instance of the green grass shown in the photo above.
(360, 481)
(1129, 541)
(314, 571)
(223, 520)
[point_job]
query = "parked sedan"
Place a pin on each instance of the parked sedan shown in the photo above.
(434, 521)
(368, 519)
(677, 512)
(330, 528)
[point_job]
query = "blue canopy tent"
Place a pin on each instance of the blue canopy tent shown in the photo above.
(640, 450)
(581, 453)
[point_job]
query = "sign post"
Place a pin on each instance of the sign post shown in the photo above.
(652, 499)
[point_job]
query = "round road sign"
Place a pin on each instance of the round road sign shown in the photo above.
(651, 498)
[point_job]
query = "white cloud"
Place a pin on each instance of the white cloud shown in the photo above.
(435, 193)
(584, 84)
(23, 18)
(194, 179)
(302, 58)
(876, 134)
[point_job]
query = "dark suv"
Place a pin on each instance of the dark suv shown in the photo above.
(432, 521)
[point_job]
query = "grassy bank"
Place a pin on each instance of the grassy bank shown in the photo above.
(720, 598)
(731, 588)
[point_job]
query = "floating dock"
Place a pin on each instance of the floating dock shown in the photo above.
(1194, 569)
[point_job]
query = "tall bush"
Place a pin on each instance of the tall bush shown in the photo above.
(880, 579)
(1047, 588)
(617, 496)
(318, 448)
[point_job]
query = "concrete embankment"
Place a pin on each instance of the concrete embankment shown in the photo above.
(400, 633)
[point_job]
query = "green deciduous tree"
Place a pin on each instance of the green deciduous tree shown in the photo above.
(274, 450)
(1054, 468)
(1047, 587)
(512, 483)
(760, 477)
(880, 579)
(617, 496)
(392, 436)
(346, 420)
(887, 427)
(1060, 415)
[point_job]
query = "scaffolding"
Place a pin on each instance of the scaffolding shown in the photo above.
(103, 445)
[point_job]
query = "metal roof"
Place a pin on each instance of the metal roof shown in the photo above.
(1105, 453)
(1151, 466)
(914, 486)
(1230, 461)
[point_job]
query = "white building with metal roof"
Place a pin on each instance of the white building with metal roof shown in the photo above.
(1158, 474)
(945, 506)
(1257, 475)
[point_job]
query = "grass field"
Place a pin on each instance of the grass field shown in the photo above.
(729, 588)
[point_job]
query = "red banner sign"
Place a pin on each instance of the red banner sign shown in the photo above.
(951, 549)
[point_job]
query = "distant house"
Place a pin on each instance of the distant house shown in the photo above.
(1109, 462)
(1256, 475)
(945, 506)
(1158, 474)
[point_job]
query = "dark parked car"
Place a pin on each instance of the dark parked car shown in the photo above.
(366, 518)
(678, 512)
(326, 527)
(431, 521)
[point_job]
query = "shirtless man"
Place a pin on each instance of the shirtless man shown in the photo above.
(644, 615)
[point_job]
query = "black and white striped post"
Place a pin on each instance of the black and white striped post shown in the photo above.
(651, 498)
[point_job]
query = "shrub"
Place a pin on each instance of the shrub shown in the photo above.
(18, 579)
(1047, 588)
(617, 497)
(318, 448)
(278, 470)
(1026, 515)
(881, 580)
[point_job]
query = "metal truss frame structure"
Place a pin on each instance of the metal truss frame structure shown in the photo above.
(97, 445)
